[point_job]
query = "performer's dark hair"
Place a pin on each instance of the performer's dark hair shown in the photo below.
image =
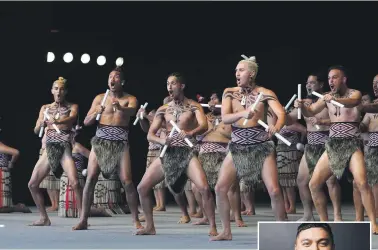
(338, 67)
(119, 70)
(319, 76)
(368, 94)
(179, 77)
(325, 226)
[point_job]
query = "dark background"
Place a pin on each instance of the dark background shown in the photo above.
(347, 236)
(203, 40)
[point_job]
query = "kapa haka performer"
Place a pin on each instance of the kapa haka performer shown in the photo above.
(60, 117)
(110, 147)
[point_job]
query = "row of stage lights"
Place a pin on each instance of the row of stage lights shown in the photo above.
(85, 58)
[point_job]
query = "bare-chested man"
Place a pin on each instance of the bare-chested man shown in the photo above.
(213, 150)
(316, 139)
(250, 143)
(110, 149)
(344, 147)
(62, 115)
(179, 161)
(369, 127)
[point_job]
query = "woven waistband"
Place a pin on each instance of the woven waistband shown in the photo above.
(112, 133)
(317, 137)
(373, 139)
(212, 147)
(248, 136)
(52, 136)
(344, 130)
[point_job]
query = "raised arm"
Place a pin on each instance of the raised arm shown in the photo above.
(40, 120)
(312, 109)
(370, 108)
(201, 119)
(228, 117)
(352, 100)
(71, 118)
(130, 108)
(94, 111)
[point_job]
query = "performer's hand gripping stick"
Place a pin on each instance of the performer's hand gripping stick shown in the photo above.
(332, 101)
(54, 125)
(254, 106)
(43, 127)
(103, 103)
(276, 134)
(141, 114)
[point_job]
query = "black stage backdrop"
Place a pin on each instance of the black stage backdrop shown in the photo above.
(203, 40)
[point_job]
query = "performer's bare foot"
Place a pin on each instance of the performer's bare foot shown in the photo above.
(159, 209)
(197, 215)
(184, 219)
(307, 218)
(138, 225)
(338, 218)
(240, 223)
(291, 211)
(154, 208)
(21, 208)
(41, 222)
(222, 236)
(81, 226)
(248, 212)
(203, 221)
(213, 231)
(52, 209)
(142, 218)
(374, 229)
(146, 231)
(232, 217)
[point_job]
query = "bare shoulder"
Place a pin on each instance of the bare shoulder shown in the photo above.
(228, 92)
(194, 103)
(72, 105)
(128, 96)
(353, 92)
(161, 110)
(268, 95)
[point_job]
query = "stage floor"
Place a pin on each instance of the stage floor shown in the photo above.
(117, 232)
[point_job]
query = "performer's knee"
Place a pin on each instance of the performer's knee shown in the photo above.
(274, 192)
(203, 189)
(314, 187)
(219, 188)
(32, 185)
(142, 189)
(362, 185)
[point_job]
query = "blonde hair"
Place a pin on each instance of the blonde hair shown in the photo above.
(61, 80)
(251, 62)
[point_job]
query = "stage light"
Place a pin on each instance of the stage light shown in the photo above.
(50, 57)
(119, 61)
(68, 57)
(101, 60)
(85, 58)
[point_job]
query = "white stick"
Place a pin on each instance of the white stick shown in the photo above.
(290, 102)
(54, 125)
(254, 106)
(299, 98)
(141, 114)
(207, 105)
(103, 103)
(332, 101)
(317, 127)
(179, 130)
(166, 146)
(276, 134)
(42, 127)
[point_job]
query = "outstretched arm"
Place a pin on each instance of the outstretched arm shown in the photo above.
(71, 118)
(352, 100)
(9, 151)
